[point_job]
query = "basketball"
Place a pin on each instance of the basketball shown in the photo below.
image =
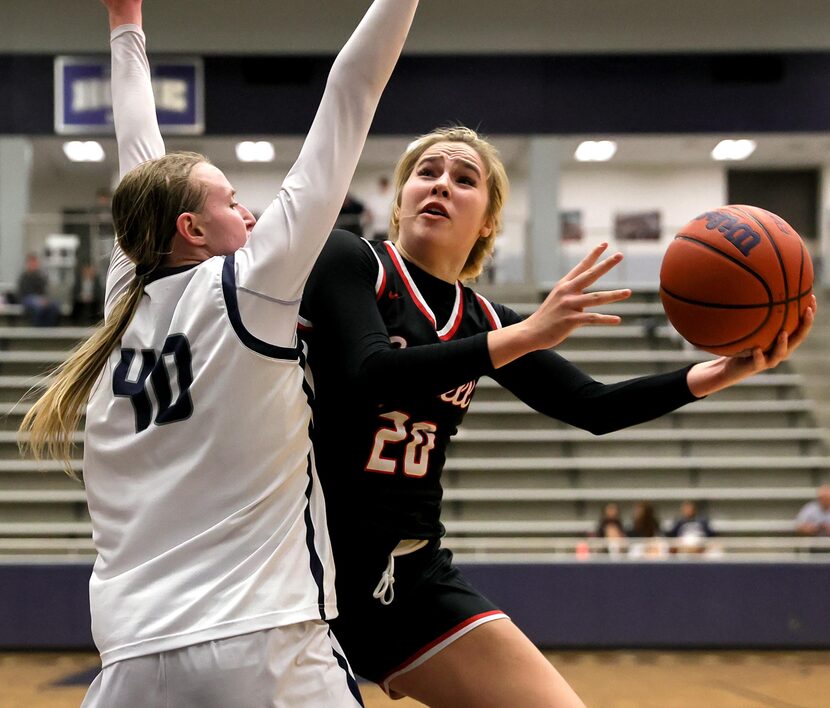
(733, 278)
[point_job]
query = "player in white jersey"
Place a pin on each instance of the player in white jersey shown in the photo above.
(214, 578)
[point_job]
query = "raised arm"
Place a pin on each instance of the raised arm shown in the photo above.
(134, 114)
(291, 232)
(133, 106)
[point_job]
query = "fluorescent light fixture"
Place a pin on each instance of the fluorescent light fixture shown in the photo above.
(255, 151)
(595, 150)
(733, 149)
(83, 151)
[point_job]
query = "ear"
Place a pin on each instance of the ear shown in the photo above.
(486, 228)
(188, 227)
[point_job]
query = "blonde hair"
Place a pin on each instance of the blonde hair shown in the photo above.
(145, 208)
(498, 187)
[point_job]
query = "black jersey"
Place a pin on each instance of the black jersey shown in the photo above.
(395, 355)
(387, 457)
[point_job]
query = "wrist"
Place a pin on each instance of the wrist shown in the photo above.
(707, 377)
(508, 344)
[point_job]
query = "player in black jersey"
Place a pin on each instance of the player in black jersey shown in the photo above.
(395, 346)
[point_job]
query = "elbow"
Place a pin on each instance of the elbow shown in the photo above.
(350, 81)
(588, 421)
(598, 430)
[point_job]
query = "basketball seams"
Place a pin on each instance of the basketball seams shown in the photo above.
(751, 215)
(728, 306)
(729, 257)
(702, 266)
(801, 278)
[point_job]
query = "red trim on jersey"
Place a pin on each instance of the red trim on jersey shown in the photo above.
(458, 315)
(380, 281)
(489, 311)
(451, 327)
(401, 268)
(446, 635)
(382, 287)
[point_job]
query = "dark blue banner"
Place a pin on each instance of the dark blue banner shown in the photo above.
(83, 102)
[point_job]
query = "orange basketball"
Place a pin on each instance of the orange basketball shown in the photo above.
(733, 278)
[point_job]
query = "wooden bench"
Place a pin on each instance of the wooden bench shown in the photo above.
(573, 527)
(621, 464)
(627, 494)
(645, 435)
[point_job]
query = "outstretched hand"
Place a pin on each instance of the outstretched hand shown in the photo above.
(123, 12)
(564, 309)
(711, 376)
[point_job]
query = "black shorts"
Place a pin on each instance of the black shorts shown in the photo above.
(433, 605)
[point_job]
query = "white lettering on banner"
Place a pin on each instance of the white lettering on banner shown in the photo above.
(171, 95)
(91, 95)
(95, 95)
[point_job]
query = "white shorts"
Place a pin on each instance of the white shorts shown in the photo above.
(285, 667)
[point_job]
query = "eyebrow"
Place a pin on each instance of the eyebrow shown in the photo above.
(467, 163)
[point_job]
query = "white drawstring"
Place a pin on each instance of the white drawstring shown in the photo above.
(386, 583)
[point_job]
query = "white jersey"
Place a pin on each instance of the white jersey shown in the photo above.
(207, 514)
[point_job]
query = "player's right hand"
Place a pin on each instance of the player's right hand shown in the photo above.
(568, 305)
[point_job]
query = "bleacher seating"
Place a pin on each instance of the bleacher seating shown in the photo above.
(518, 485)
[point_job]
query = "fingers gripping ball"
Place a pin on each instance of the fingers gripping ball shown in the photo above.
(733, 278)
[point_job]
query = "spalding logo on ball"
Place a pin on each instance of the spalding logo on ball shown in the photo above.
(733, 278)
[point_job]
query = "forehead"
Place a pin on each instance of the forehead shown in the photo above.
(212, 177)
(454, 152)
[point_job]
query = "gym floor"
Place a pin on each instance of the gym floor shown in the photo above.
(604, 679)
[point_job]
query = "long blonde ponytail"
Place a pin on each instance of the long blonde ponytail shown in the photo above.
(145, 207)
(52, 420)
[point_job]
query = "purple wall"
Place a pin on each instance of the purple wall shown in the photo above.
(569, 605)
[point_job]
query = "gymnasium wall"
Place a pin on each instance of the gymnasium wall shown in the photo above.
(459, 26)
(563, 605)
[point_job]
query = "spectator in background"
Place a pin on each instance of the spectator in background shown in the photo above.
(645, 525)
(351, 216)
(87, 296)
(814, 517)
(379, 210)
(102, 212)
(32, 286)
(610, 527)
(691, 529)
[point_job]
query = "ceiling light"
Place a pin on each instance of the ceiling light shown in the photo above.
(83, 151)
(595, 150)
(259, 151)
(733, 149)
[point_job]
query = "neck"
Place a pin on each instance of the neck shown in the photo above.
(184, 254)
(441, 268)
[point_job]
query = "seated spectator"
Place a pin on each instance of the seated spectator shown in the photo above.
(32, 285)
(610, 527)
(87, 297)
(645, 525)
(814, 517)
(379, 210)
(352, 215)
(691, 529)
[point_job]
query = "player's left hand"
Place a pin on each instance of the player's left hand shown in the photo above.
(785, 344)
(711, 376)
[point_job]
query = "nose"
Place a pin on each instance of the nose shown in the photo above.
(441, 186)
(247, 217)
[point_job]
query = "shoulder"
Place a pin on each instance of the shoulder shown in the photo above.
(345, 247)
(498, 314)
(346, 261)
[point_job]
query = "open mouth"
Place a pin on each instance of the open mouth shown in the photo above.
(434, 209)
